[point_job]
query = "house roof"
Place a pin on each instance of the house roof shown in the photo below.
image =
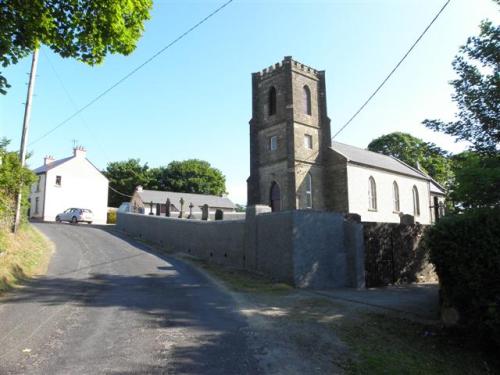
(48, 167)
(435, 188)
(198, 200)
(376, 160)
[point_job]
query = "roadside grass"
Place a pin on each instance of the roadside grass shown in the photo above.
(22, 255)
(382, 343)
(241, 280)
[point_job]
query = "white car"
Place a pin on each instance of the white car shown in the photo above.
(76, 215)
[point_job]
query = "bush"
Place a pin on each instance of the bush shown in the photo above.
(111, 218)
(465, 249)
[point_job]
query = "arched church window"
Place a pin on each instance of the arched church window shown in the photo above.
(275, 197)
(416, 201)
(272, 101)
(395, 196)
(307, 100)
(372, 194)
(308, 181)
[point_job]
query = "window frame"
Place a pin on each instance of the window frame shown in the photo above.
(308, 191)
(306, 95)
(271, 101)
(308, 141)
(416, 201)
(396, 203)
(273, 146)
(58, 181)
(372, 194)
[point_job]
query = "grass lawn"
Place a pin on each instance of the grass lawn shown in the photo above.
(22, 255)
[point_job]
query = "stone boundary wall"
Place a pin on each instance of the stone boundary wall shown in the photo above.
(394, 254)
(305, 248)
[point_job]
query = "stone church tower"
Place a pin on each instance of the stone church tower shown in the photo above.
(289, 137)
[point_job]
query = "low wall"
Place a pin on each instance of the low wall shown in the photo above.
(394, 254)
(305, 248)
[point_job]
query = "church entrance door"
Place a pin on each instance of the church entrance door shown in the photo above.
(275, 197)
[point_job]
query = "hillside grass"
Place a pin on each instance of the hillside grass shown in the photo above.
(22, 255)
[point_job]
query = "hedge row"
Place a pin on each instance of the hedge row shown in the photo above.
(465, 249)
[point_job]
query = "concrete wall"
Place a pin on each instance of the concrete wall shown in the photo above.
(308, 249)
(358, 176)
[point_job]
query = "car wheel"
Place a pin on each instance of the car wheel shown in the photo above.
(74, 220)
(58, 219)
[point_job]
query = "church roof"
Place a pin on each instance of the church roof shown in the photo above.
(198, 200)
(375, 160)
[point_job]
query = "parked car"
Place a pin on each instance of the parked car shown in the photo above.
(76, 215)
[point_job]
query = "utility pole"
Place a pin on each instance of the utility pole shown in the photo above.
(24, 138)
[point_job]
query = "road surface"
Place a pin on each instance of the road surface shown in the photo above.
(108, 306)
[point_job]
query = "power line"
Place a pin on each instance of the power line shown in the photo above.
(119, 192)
(98, 97)
(393, 70)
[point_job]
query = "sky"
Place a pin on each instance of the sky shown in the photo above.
(194, 100)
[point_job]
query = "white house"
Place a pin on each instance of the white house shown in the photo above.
(70, 182)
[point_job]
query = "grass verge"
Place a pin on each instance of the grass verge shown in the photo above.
(22, 255)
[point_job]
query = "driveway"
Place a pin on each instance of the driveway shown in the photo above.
(107, 306)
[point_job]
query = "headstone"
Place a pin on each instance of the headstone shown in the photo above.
(181, 212)
(204, 212)
(191, 205)
(354, 218)
(407, 219)
(158, 209)
(167, 207)
(219, 215)
(151, 208)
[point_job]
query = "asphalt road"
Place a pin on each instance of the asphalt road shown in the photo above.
(108, 306)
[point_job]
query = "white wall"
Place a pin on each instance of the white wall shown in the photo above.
(37, 191)
(82, 186)
(358, 184)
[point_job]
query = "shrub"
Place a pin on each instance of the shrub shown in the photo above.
(111, 218)
(465, 249)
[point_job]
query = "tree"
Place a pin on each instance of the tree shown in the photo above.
(80, 29)
(125, 176)
(413, 151)
(477, 92)
(477, 180)
(192, 176)
(13, 177)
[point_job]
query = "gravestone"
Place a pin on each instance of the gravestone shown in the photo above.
(167, 207)
(191, 205)
(407, 219)
(204, 212)
(151, 208)
(219, 215)
(181, 212)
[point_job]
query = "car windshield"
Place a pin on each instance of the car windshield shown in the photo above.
(87, 210)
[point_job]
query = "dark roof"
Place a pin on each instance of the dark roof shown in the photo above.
(376, 160)
(45, 168)
(198, 200)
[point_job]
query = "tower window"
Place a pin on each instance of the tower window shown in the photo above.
(309, 203)
(372, 194)
(273, 143)
(272, 101)
(416, 202)
(308, 141)
(307, 100)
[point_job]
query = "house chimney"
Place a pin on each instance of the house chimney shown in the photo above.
(138, 188)
(48, 159)
(79, 152)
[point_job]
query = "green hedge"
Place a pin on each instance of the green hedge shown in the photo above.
(465, 249)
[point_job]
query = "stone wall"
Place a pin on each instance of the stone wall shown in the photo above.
(394, 254)
(305, 248)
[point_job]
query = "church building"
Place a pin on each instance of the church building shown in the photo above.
(294, 164)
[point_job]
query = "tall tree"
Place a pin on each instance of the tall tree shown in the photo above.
(80, 29)
(477, 92)
(124, 177)
(193, 176)
(414, 151)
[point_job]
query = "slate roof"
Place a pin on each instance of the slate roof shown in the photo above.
(435, 188)
(376, 160)
(198, 200)
(55, 163)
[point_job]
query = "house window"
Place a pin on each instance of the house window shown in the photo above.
(273, 143)
(272, 101)
(395, 196)
(372, 194)
(58, 180)
(308, 141)
(416, 202)
(38, 184)
(309, 203)
(307, 100)
(36, 205)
